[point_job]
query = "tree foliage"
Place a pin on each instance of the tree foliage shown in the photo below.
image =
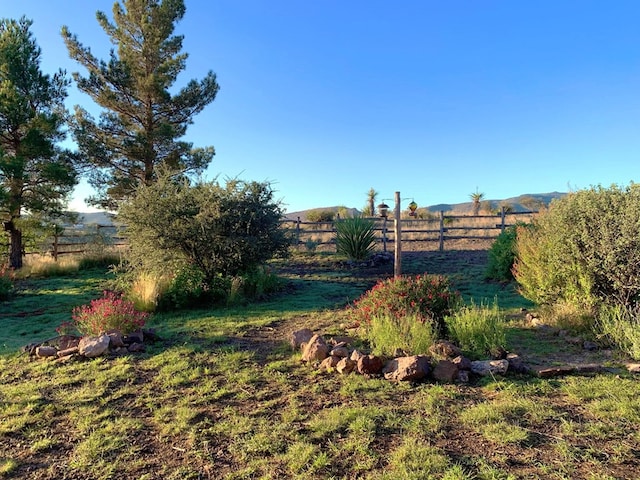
(36, 175)
(142, 121)
(221, 230)
(585, 250)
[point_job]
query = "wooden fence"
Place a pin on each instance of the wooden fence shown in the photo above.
(439, 232)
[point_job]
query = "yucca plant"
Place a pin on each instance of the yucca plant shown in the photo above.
(355, 237)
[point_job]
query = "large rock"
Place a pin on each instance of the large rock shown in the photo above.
(341, 352)
(46, 351)
(357, 355)
(444, 349)
(633, 367)
(445, 371)
(489, 367)
(407, 369)
(346, 365)
(329, 364)
(94, 346)
(369, 364)
(462, 362)
(516, 364)
(315, 350)
(297, 338)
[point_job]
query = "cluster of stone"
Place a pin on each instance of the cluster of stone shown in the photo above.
(66, 347)
(445, 362)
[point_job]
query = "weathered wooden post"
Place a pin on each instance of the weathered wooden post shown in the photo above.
(397, 266)
(441, 230)
(502, 215)
(384, 233)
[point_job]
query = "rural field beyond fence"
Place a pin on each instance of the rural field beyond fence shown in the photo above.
(440, 232)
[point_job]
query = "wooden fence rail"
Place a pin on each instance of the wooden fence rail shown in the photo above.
(439, 230)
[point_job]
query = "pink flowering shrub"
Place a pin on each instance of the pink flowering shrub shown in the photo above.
(111, 312)
(422, 298)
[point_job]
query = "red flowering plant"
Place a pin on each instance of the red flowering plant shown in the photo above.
(111, 312)
(426, 298)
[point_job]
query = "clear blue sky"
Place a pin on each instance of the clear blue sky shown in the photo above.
(328, 98)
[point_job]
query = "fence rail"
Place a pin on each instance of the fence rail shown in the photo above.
(441, 230)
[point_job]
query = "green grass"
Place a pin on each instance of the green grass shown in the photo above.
(208, 401)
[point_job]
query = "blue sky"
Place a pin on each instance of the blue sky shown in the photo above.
(435, 99)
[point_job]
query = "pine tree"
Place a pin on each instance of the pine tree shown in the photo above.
(35, 175)
(141, 124)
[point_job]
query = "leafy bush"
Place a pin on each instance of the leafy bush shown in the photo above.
(355, 237)
(219, 231)
(502, 255)
(111, 312)
(6, 281)
(321, 216)
(620, 327)
(387, 333)
(584, 250)
(187, 287)
(478, 330)
(426, 298)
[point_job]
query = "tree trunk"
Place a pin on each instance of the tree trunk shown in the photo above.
(15, 246)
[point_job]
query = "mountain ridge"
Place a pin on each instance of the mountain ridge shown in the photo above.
(520, 203)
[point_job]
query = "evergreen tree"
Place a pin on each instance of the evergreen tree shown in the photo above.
(141, 123)
(35, 175)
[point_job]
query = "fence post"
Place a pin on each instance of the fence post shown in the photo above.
(502, 215)
(55, 246)
(384, 233)
(397, 268)
(298, 233)
(441, 230)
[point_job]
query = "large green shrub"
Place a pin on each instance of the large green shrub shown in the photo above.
(502, 256)
(620, 327)
(584, 250)
(219, 231)
(355, 237)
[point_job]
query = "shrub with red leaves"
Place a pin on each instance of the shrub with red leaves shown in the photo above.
(111, 312)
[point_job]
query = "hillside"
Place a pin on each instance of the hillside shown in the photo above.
(525, 202)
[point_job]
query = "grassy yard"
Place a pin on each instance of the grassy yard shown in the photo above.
(223, 396)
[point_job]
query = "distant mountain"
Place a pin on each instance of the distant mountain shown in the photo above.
(521, 203)
(95, 218)
(304, 213)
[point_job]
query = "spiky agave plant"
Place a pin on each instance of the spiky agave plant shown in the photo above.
(355, 237)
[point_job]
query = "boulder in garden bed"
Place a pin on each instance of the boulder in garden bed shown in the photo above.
(407, 369)
(444, 349)
(368, 364)
(297, 338)
(445, 371)
(94, 346)
(315, 350)
(44, 351)
(346, 365)
(329, 363)
(489, 367)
